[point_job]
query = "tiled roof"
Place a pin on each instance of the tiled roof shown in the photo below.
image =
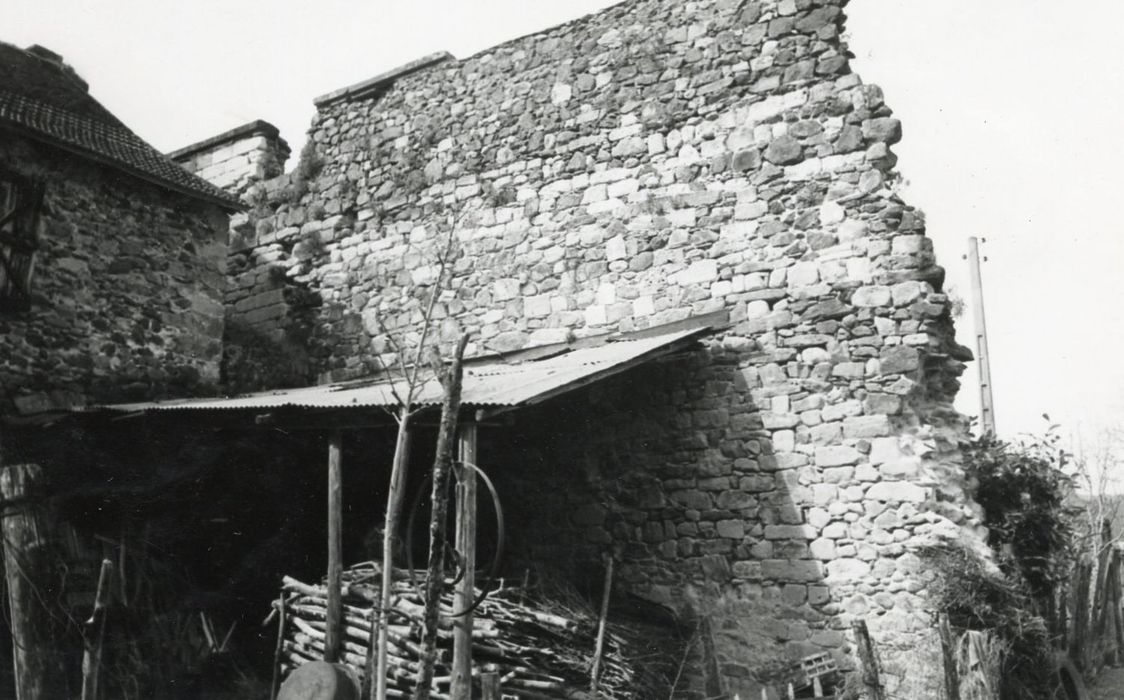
(48, 102)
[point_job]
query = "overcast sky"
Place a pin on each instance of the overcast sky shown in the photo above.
(1011, 111)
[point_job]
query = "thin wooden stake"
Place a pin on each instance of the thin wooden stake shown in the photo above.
(335, 563)
(595, 674)
(466, 544)
(865, 648)
(951, 674)
(95, 633)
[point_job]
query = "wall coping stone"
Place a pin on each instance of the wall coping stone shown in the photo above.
(366, 87)
(258, 127)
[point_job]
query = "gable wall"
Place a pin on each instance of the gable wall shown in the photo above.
(652, 162)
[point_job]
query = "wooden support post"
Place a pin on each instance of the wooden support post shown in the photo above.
(466, 544)
(865, 647)
(333, 635)
(1078, 641)
(1117, 610)
(29, 570)
(948, 651)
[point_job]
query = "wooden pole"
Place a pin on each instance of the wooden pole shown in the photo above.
(95, 633)
(1117, 610)
(442, 463)
(466, 544)
(595, 673)
(865, 648)
(987, 402)
(30, 572)
(333, 636)
(398, 473)
(1078, 641)
(948, 651)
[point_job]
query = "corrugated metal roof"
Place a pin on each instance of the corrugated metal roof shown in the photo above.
(488, 382)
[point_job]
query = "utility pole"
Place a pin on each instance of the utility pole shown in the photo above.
(987, 403)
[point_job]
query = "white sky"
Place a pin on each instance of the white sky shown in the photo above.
(1011, 110)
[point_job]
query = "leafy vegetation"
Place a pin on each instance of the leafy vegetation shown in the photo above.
(1024, 491)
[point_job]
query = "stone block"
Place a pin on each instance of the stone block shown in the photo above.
(866, 426)
(784, 151)
(799, 571)
(789, 532)
(897, 492)
(733, 529)
(886, 449)
(872, 296)
(822, 549)
(847, 570)
(698, 272)
(836, 456)
(899, 359)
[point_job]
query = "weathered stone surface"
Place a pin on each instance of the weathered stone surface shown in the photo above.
(784, 151)
(126, 296)
(896, 491)
(899, 360)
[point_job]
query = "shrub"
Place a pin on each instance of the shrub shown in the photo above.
(1023, 491)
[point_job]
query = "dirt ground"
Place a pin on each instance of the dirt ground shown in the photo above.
(1109, 685)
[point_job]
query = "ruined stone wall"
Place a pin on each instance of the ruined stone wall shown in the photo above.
(127, 291)
(237, 159)
(652, 162)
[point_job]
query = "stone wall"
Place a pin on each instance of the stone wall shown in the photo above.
(237, 159)
(127, 296)
(656, 161)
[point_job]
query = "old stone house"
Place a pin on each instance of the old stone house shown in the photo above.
(111, 255)
(656, 163)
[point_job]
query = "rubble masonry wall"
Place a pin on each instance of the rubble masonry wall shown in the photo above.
(127, 291)
(652, 162)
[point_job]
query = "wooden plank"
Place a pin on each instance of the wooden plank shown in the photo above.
(335, 555)
(951, 673)
(466, 544)
(29, 569)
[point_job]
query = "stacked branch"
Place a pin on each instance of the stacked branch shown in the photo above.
(539, 649)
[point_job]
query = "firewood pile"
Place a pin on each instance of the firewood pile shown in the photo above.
(539, 648)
